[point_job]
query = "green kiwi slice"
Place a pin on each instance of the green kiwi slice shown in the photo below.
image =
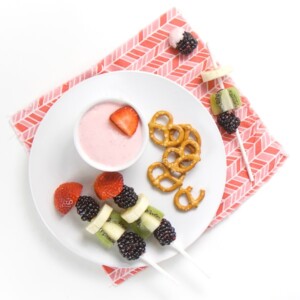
(155, 212)
(138, 228)
(220, 102)
(116, 218)
(215, 104)
(104, 239)
(235, 97)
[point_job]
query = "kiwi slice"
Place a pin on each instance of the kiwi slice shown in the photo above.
(235, 97)
(116, 218)
(154, 212)
(225, 100)
(104, 239)
(138, 228)
(214, 104)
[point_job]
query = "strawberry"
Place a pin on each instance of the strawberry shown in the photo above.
(108, 185)
(66, 196)
(126, 119)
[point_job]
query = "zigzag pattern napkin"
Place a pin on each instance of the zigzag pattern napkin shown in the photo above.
(149, 51)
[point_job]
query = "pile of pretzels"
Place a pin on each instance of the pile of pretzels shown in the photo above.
(182, 148)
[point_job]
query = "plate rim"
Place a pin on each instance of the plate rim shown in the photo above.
(84, 82)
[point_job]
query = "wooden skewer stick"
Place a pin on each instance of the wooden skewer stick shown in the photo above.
(220, 81)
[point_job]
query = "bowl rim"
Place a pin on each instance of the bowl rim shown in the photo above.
(100, 166)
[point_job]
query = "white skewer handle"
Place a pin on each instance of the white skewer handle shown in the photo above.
(187, 256)
(244, 155)
(220, 81)
(154, 265)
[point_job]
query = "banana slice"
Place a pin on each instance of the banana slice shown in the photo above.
(224, 100)
(100, 219)
(113, 230)
(135, 212)
(217, 73)
(150, 222)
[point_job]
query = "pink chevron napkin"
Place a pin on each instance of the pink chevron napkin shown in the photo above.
(149, 51)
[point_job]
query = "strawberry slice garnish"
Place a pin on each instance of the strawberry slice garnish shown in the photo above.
(66, 196)
(108, 185)
(126, 119)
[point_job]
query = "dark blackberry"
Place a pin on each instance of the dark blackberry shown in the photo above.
(131, 245)
(187, 44)
(87, 208)
(228, 121)
(165, 233)
(126, 198)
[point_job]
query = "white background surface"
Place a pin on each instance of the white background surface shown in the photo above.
(254, 254)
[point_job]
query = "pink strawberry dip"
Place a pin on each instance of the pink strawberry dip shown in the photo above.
(102, 141)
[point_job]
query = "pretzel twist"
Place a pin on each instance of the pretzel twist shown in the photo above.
(182, 151)
(190, 133)
(165, 129)
(191, 201)
(183, 162)
(166, 175)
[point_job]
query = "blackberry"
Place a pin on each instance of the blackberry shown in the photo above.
(165, 233)
(131, 245)
(228, 121)
(187, 44)
(126, 198)
(87, 208)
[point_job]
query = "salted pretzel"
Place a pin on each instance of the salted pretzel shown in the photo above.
(156, 127)
(162, 114)
(191, 201)
(183, 162)
(166, 175)
(182, 145)
(189, 133)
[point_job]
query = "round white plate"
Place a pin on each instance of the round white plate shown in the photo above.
(54, 160)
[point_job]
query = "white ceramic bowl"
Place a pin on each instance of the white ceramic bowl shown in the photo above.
(101, 166)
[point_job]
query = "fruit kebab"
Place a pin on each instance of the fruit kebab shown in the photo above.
(223, 104)
(105, 223)
(145, 220)
(142, 218)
